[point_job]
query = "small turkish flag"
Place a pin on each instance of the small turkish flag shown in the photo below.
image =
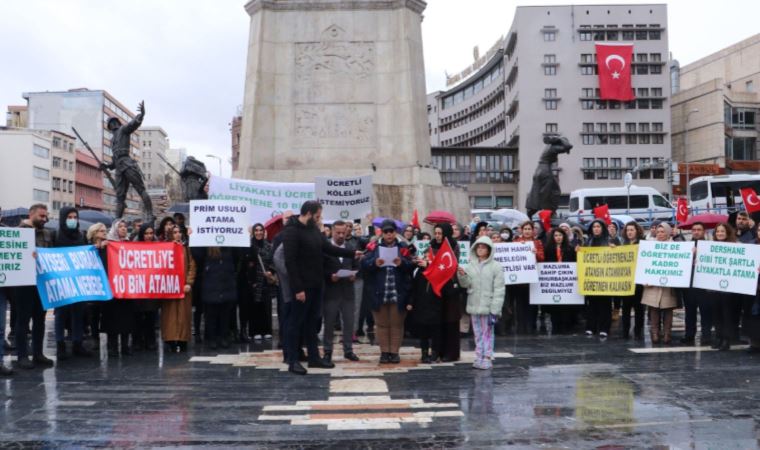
(751, 202)
(682, 210)
(546, 219)
(442, 269)
(614, 66)
(415, 219)
(603, 212)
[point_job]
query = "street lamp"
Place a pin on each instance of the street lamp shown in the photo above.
(685, 149)
(218, 159)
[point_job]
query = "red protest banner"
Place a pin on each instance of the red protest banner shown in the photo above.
(146, 270)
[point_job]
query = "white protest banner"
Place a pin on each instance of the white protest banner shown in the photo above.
(219, 223)
(464, 253)
(557, 285)
(518, 261)
(17, 266)
(666, 264)
(344, 198)
(726, 266)
(265, 199)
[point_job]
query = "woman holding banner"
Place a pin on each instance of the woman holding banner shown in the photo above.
(71, 316)
(724, 304)
(176, 314)
(525, 313)
(146, 311)
(660, 300)
(558, 249)
(598, 307)
(118, 315)
(632, 234)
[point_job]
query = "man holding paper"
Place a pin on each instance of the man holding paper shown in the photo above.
(340, 275)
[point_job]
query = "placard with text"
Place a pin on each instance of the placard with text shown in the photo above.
(146, 270)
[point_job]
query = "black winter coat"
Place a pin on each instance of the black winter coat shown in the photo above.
(219, 282)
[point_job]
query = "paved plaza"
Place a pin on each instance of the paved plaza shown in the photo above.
(544, 392)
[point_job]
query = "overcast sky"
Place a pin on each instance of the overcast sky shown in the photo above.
(186, 58)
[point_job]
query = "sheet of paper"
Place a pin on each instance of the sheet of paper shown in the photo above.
(345, 273)
(388, 254)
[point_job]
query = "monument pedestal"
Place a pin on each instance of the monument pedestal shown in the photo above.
(337, 88)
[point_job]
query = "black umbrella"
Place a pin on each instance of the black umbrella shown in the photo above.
(182, 208)
(90, 215)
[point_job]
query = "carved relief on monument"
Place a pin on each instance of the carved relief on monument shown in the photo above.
(334, 125)
(343, 59)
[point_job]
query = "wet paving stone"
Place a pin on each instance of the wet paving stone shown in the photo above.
(544, 392)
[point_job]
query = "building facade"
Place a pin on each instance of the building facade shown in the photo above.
(716, 113)
(25, 166)
(541, 78)
(88, 111)
(154, 142)
(62, 170)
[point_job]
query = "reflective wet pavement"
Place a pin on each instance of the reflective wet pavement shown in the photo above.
(544, 392)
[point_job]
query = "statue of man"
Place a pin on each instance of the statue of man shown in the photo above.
(126, 170)
(545, 191)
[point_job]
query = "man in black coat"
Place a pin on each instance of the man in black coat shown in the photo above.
(339, 295)
(304, 250)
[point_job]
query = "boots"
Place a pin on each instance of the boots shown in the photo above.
(79, 350)
(125, 350)
(654, 325)
(243, 336)
(113, 346)
(667, 325)
(425, 359)
(61, 354)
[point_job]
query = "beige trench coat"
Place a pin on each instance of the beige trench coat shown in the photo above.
(659, 297)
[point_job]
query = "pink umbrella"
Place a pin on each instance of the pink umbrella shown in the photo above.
(710, 220)
(436, 217)
(273, 226)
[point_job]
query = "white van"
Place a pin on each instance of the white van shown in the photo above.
(710, 193)
(646, 203)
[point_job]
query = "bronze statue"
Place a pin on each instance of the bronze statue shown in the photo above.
(194, 176)
(126, 170)
(545, 191)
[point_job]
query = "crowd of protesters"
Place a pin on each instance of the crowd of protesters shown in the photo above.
(336, 276)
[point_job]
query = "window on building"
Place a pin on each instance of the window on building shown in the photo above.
(504, 202)
(642, 69)
(550, 35)
(641, 35)
(56, 184)
(40, 151)
(588, 58)
(616, 139)
(599, 34)
(601, 104)
(612, 35)
(602, 172)
(588, 169)
(749, 86)
(642, 104)
(550, 93)
(40, 173)
(658, 139)
(627, 33)
(616, 173)
(656, 92)
(741, 149)
(587, 104)
(643, 92)
(588, 70)
(647, 173)
(587, 92)
(630, 164)
(615, 127)
(550, 70)
(654, 35)
(41, 196)
(655, 70)
(551, 128)
(550, 59)
(550, 105)
(588, 127)
(57, 162)
(658, 173)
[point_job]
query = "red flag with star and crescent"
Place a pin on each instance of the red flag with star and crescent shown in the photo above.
(442, 269)
(603, 212)
(682, 210)
(751, 201)
(614, 66)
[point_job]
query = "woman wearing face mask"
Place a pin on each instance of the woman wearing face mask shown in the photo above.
(176, 315)
(660, 300)
(558, 249)
(146, 311)
(632, 235)
(118, 315)
(598, 307)
(724, 304)
(71, 315)
(437, 317)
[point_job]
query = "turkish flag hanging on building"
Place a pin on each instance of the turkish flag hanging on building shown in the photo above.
(442, 269)
(614, 64)
(751, 201)
(682, 210)
(603, 212)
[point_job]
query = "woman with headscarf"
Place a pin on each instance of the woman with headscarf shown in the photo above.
(118, 315)
(261, 281)
(660, 300)
(526, 313)
(437, 317)
(71, 316)
(558, 250)
(598, 307)
(176, 314)
(146, 311)
(632, 235)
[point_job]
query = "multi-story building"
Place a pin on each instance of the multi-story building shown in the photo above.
(88, 111)
(17, 116)
(716, 112)
(89, 182)
(62, 170)
(540, 79)
(154, 142)
(25, 157)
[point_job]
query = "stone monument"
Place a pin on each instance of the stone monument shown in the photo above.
(337, 87)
